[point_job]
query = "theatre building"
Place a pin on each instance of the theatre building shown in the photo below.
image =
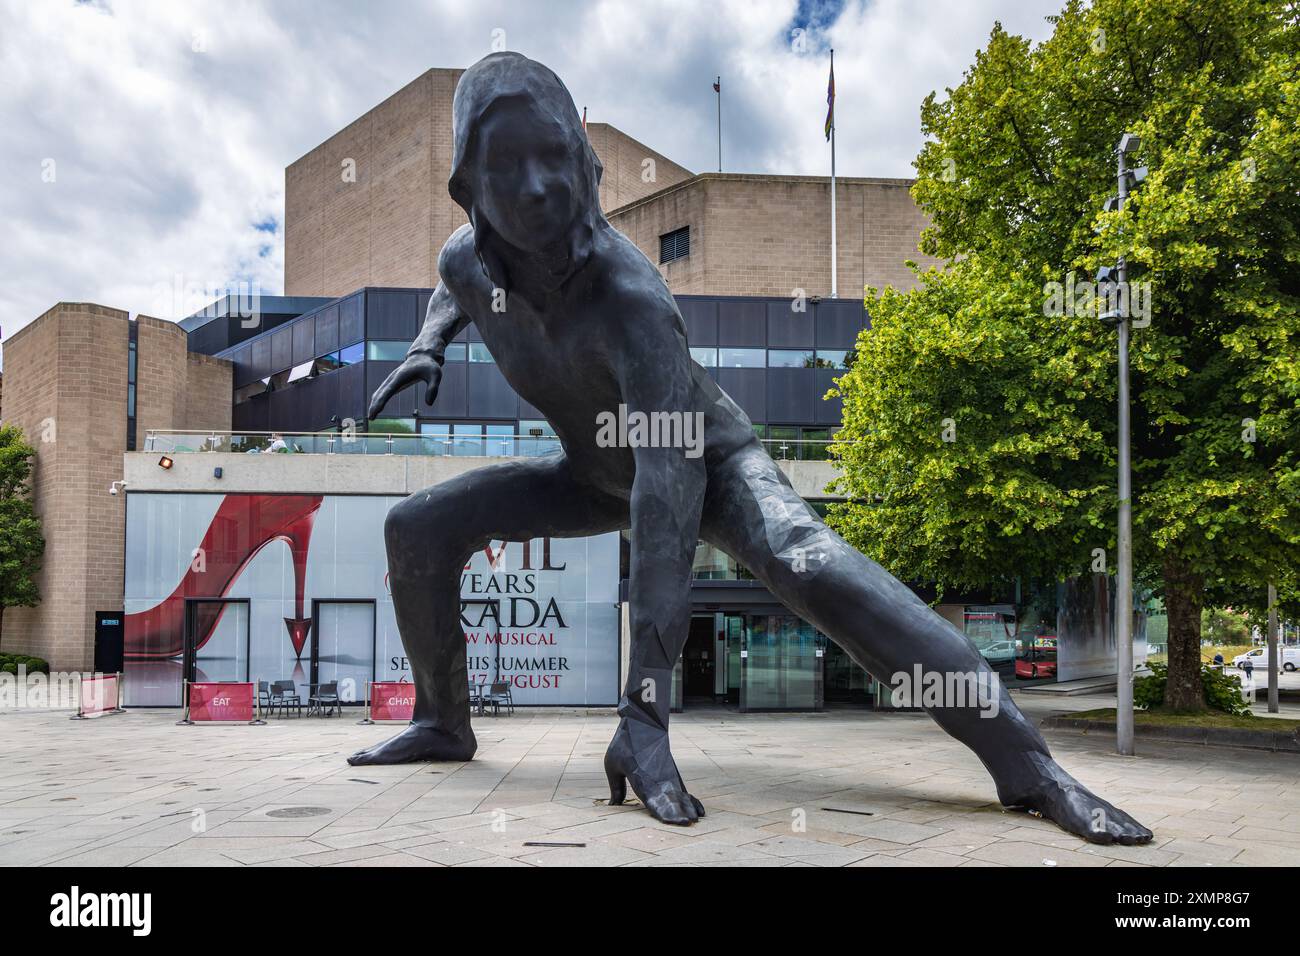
(243, 538)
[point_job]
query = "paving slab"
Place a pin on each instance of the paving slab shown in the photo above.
(846, 788)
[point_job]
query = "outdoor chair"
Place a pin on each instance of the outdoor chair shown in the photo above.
(476, 696)
(499, 696)
(284, 694)
(264, 695)
(325, 700)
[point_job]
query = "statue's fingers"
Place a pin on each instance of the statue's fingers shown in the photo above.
(382, 394)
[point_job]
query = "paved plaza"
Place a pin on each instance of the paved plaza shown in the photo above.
(844, 788)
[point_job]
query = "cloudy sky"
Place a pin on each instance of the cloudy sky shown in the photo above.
(144, 144)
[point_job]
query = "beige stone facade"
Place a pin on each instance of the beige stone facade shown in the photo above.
(369, 206)
(770, 235)
(66, 387)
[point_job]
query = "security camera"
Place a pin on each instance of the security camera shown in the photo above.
(112, 490)
(115, 487)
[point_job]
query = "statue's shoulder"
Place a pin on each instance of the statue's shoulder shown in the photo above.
(638, 289)
(458, 264)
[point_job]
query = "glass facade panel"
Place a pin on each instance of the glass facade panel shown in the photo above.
(705, 356)
(467, 439)
(455, 352)
(435, 438)
(832, 358)
(714, 564)
(500, 440)
(224, 655)
(381, 351)
(352, 354)
(789, 358)
(345, 647)
(537, 437)
(478, 352)
(742, 358)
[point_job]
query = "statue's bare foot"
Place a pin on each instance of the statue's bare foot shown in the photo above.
(1073, 807)
(639, 755)
(417, 743)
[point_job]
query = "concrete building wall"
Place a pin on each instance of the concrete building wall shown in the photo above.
(369, 206)
(768, 235)
(66, 389)
(208, 386)
(627, 176)
(351, 474)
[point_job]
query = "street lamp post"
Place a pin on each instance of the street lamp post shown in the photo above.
(1119, 312)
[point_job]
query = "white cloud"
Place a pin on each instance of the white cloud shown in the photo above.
(169, 124)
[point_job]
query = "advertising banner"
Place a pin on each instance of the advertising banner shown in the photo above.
(295, 588)
(97, 695)
(390, 700)
(223, 701)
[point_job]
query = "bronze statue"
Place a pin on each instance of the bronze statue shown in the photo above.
(583, 326)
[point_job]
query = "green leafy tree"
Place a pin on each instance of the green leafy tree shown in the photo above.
(980, 425)
(21, 541)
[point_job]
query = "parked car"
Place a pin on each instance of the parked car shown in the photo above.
(1036, 663)
(1259, 658)
(999, 652)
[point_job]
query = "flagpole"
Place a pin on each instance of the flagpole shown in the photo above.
(834, 264)
(718, 87)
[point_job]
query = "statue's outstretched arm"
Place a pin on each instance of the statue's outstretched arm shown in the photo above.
(443, 321)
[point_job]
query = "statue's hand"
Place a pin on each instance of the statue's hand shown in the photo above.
(417, 367)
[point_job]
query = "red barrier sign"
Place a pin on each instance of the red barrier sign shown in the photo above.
(390, 700)
(213, 701)
(98, 695)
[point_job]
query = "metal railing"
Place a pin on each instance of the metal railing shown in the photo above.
(435, 444)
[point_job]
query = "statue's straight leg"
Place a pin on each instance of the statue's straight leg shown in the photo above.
(752, 512)
(429, 537)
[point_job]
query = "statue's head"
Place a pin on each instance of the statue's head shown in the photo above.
(522, 168)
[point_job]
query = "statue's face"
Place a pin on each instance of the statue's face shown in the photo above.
(529, 176)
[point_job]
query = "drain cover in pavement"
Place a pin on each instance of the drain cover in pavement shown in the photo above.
(292, 812)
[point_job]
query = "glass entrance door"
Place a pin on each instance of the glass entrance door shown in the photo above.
(343, 646)
(734, 628)
(781, 669)
(216, 640)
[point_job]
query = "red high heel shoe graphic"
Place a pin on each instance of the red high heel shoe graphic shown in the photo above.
(242, 526)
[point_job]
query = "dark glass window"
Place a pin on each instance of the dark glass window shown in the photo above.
(707, 357)
(675, 244)
(326, 363)
(386, 351)
(832, 358)
(789, 358)
(250, 391)
(742, 358)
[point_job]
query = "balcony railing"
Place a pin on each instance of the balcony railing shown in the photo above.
(513, 445)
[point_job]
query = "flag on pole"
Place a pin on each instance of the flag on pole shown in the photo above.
(830, 99)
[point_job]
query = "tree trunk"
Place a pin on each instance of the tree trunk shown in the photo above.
(1184, 597)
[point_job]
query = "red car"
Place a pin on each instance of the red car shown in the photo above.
(1039, 661)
